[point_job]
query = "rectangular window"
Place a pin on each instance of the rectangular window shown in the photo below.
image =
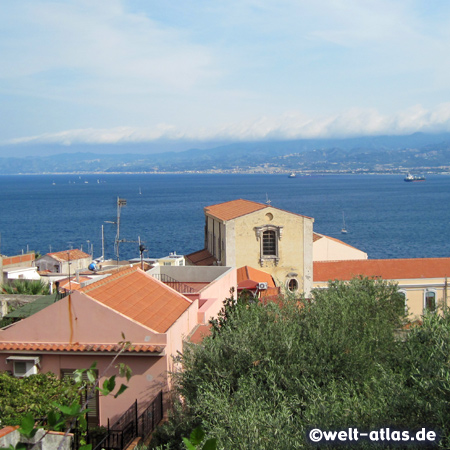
(430, 301)
(269, 243)
(93, 415)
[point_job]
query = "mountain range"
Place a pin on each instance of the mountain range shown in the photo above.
(415, 152)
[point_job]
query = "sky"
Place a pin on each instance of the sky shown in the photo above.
(178, 73)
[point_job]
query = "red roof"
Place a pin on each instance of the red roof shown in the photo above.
(201, 258)
(200, 332)
(247, 276)
(76, 347)
(237, 208)
(387, 269)
(69, 255)
(140, 297)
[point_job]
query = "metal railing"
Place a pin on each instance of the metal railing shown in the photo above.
(129, 426)
(174, 284)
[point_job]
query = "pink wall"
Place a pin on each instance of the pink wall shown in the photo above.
(148, 377)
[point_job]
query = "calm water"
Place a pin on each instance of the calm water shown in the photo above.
(385, 216)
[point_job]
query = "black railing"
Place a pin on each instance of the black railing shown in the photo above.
(130, 426)
(174, 284)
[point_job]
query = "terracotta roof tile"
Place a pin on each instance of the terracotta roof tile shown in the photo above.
(76, 347)
(140, 297)
(200, 332)
(387, 269)
(201, 258)
(248, 273)
(69, 255)
(235, 208)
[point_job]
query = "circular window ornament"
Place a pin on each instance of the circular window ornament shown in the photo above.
(292, 284)
(269, 217)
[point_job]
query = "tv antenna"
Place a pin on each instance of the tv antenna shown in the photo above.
(121, 202)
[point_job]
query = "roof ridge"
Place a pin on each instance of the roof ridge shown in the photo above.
(119, 274)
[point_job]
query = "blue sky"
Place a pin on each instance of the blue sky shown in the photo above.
(138, 71)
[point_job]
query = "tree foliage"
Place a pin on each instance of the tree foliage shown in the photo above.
(26, 287)
(268, 373)
(32, 395)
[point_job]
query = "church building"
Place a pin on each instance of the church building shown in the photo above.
(244, 233)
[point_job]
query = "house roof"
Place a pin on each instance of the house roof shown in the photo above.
(140, 297)
(248, 274)
(76, 347)
(237, 208)
(199, 332)
(69, 255)
(201, 258)
(72, 283)
(388, 269)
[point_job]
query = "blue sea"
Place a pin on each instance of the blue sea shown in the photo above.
(385, 217)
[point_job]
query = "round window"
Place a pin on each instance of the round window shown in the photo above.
(293, 284)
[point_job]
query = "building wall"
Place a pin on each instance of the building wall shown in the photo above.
(53, 265)
(325, 249)
(149, 376)
(25, 260)
(243, 247)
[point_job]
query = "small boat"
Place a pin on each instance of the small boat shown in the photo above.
(292, 175)
(412, 178)
(343, 229)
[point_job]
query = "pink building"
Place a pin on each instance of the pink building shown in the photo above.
(87, 326)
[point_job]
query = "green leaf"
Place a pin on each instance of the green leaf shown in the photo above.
(78, 375)
(85, 447)
(188, 444)
(111, 383)
(121, 390)
(210, 444)
(197, 436)
(20, 446)
(92, 375)
(27, 426)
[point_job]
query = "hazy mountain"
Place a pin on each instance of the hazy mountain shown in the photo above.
(416, 151)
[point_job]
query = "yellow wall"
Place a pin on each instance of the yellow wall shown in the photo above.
(242, 247)
(415, 290)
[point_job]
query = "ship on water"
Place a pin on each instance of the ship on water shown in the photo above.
(410, 178)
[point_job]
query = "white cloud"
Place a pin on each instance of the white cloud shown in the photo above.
(354, 122)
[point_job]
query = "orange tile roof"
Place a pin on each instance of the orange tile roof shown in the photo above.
(200, 332)
(247, 273)
(388, 269)
(76, 347)
(69, 255)
(235, 208)
(140, 297)
(72, 284)
(201, 258)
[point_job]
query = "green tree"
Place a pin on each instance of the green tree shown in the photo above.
(34, 394)
(26, 287)
(270, 372)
